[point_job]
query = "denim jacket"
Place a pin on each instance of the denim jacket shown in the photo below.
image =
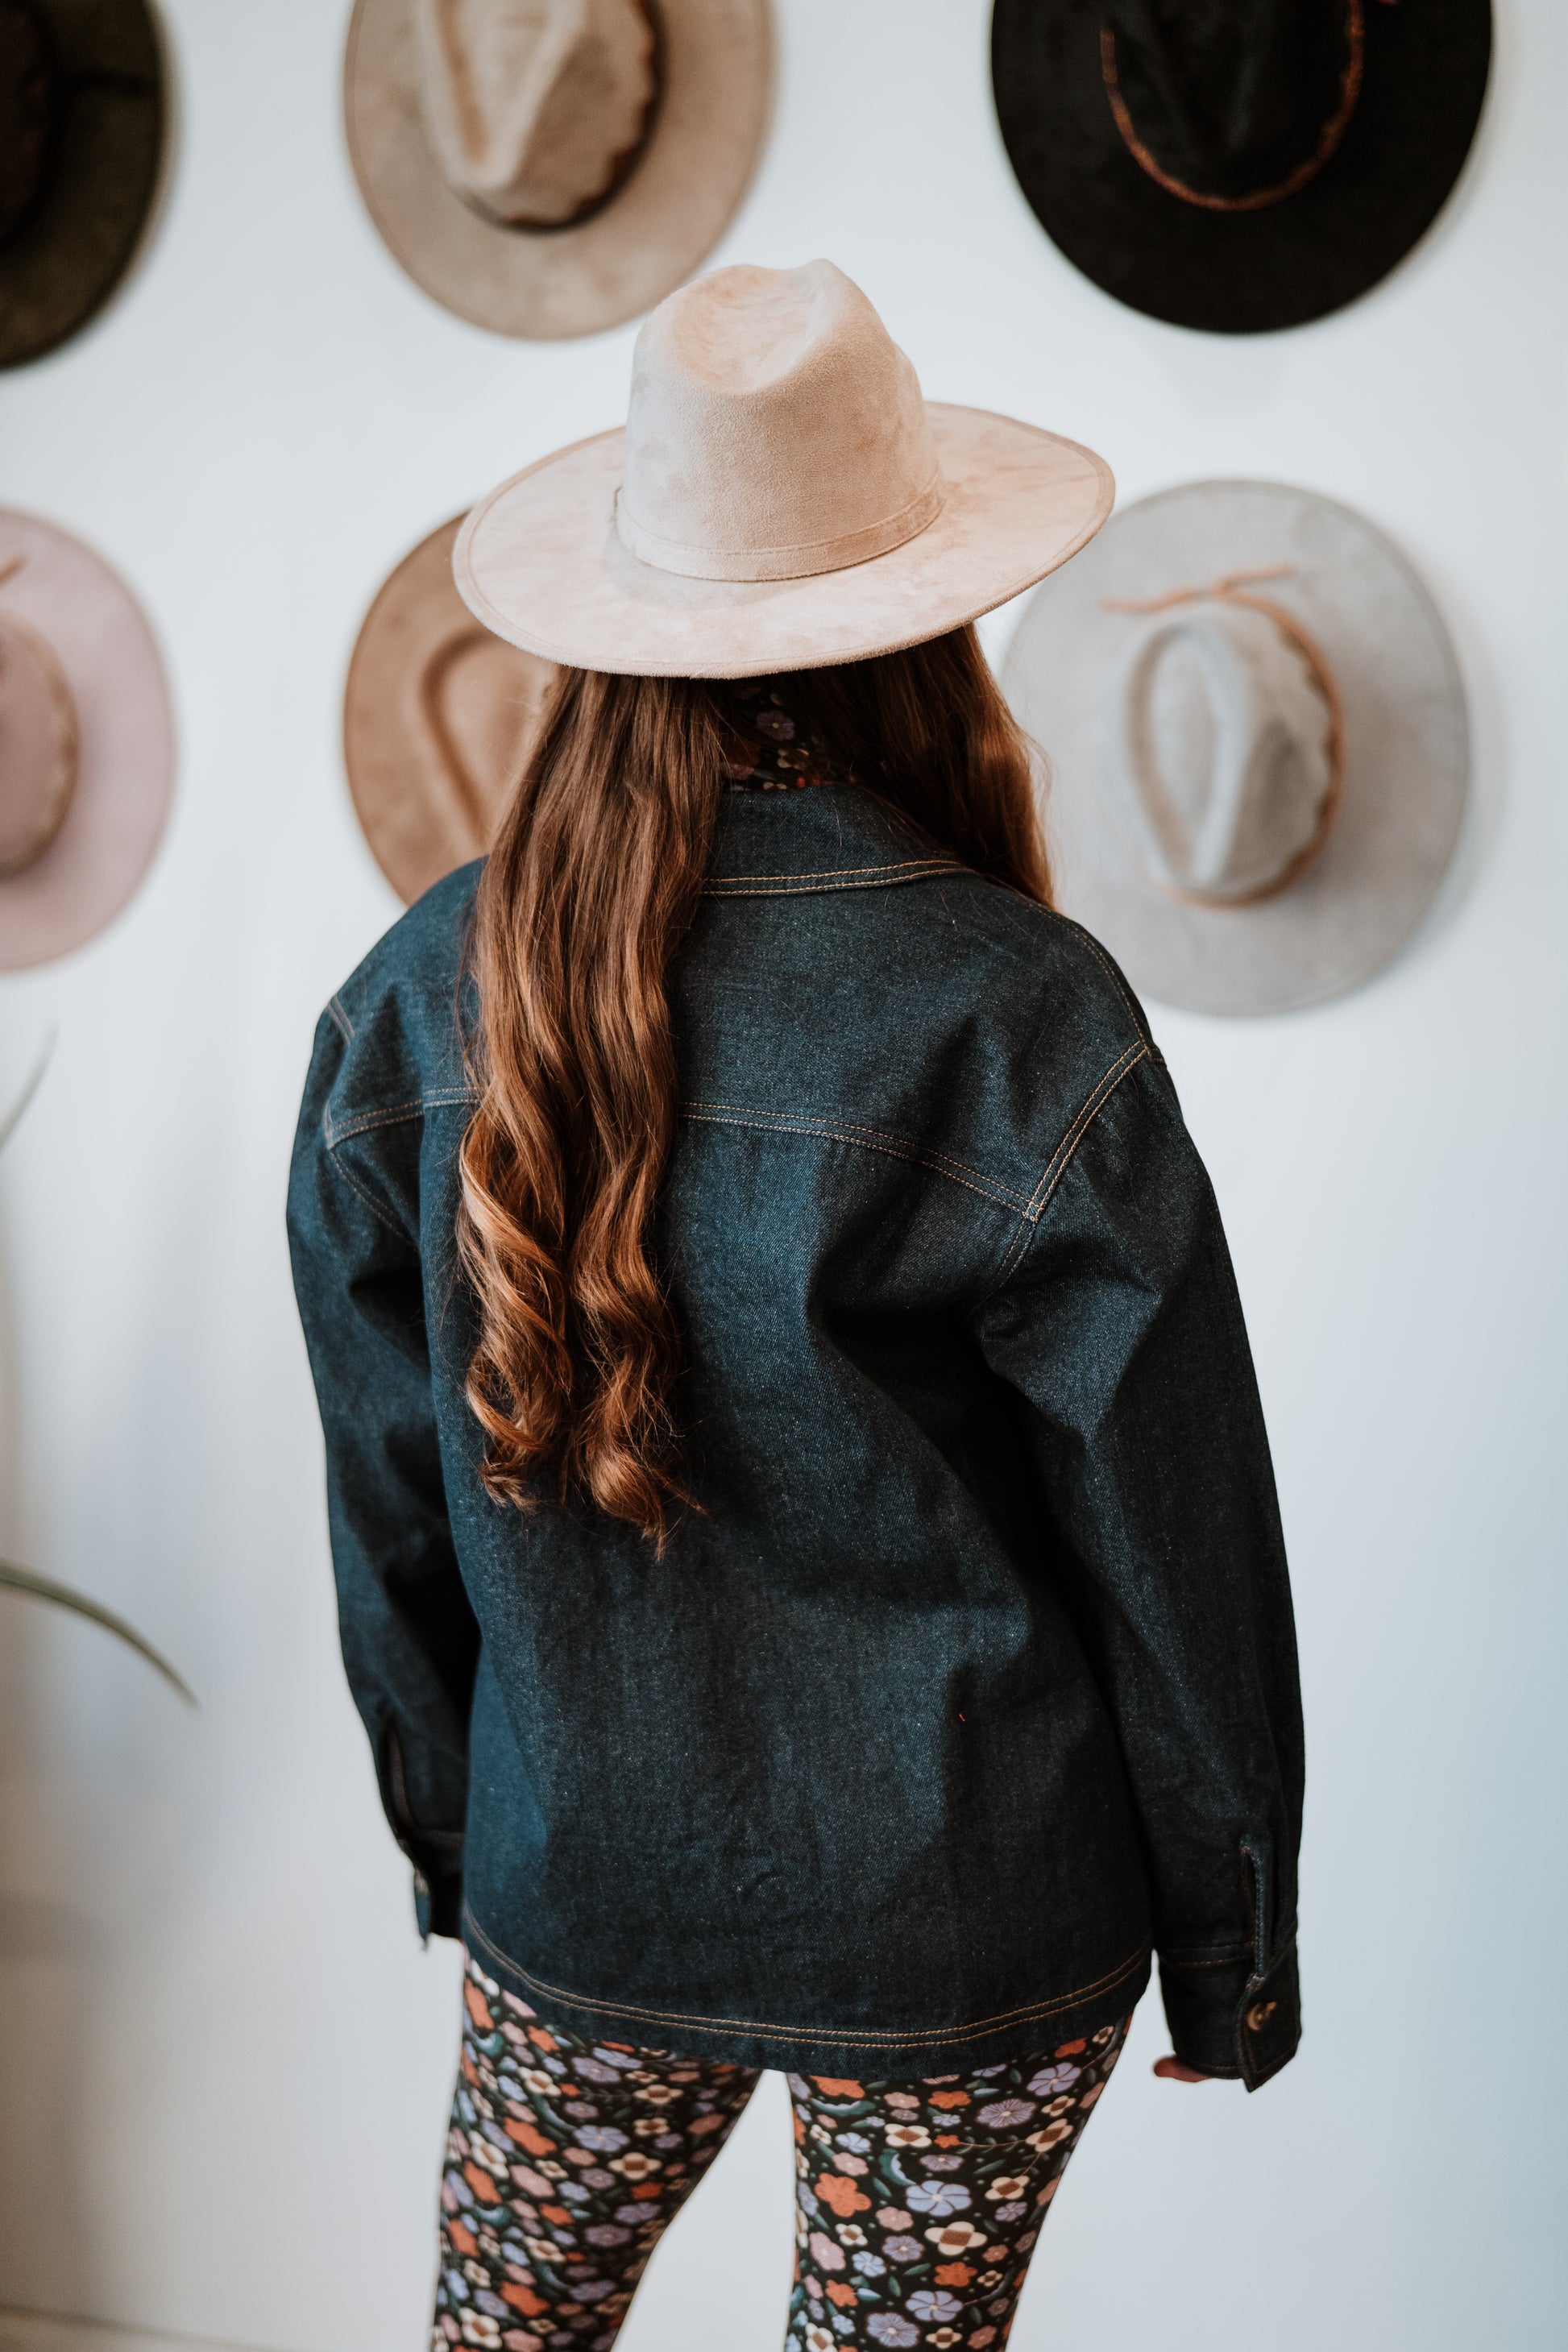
(973, 1683)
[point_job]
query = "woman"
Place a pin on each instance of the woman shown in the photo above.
(808, 1559)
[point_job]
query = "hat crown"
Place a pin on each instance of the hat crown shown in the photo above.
(775, 430)
(1221, 751)
(29, 105)
(535, 108)
(37, 745)
(1233, 102)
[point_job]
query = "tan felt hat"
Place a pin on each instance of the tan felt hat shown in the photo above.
(548, 168)
(439, 719)
(780, 498)
(1257, 740)
(86, 743)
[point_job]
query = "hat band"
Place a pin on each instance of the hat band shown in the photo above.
(1230, 590)
(806, 561)
(1329, 137)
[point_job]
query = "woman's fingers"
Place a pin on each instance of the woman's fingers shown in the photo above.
(1174, 2072)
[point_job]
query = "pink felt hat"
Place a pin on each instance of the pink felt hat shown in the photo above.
(86, 746)
(780, 498)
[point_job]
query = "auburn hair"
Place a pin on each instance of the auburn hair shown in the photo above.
(588, 892)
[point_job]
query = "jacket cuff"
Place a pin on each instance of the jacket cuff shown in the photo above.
(1229, 2019)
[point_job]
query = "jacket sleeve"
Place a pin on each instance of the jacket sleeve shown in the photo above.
(409, 1638)
(1120, 1324)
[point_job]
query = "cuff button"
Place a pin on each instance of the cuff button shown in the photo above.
(1259, 2015)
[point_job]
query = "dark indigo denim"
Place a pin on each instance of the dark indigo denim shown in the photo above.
(977, 1677)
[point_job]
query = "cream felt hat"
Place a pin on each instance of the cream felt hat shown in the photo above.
(548, 168)
(439, 718)
(1258, 742)
(780, 498)
(87, 754)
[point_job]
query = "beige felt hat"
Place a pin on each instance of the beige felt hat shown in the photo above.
(438, 718)
(780, 498)
(552, 167)
(86, 756)
(1257, 741)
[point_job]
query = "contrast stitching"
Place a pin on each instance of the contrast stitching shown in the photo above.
(1061, 1159)
(788, 886)
(833, 873)
(393, 1114)
(340, 1019)
(832, 2037)
(371, 1204)
(870, 1138)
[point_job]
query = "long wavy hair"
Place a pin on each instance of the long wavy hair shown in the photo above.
(592, 883)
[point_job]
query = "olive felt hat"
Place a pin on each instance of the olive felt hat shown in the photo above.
(440, 716)
(1257, 744)
(82, 135)
(86, 754)
(1238, 164)
(779, 496)
(548, 168)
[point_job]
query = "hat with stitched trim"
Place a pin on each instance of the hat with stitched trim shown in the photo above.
(1239, 167)
(780, 498)
(1257, 744)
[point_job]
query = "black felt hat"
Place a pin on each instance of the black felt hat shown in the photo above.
(1238, 164)
(82, 118)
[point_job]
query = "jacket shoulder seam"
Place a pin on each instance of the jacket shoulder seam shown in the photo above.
(1061, 1159)
(337, 1013)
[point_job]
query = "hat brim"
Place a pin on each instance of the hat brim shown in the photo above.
(419, 822)
(1406, 745)
(104, 177)
(539, 561)
(1426, 63)
(125, 743)
(544, 284)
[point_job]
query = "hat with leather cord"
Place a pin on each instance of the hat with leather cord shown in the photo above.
(1257, 744)
(438, 718)
(548, 168)
(83, 123)
(780, 498)
(86, 743)
(1238, 164)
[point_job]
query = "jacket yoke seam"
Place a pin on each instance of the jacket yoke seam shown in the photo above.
(849, 877)
(838, 2037)
(394, 1114)
(872, 1139)
(1061, 1160)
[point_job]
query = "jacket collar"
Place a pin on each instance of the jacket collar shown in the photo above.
(822, 837)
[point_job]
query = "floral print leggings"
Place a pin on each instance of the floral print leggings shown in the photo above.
(918, 2204)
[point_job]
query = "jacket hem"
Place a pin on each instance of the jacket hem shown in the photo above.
(823, 2048)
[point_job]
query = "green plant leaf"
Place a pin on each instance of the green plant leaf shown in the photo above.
(42, 1587)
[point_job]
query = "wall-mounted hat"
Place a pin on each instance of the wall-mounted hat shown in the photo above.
(781, 496)
(552, 167)
(1238, 164)
(439, 719)
(1257, 740)
(86, 756)
(82, 118)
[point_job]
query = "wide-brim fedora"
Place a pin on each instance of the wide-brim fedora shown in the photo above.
(439, 719)
(86, 119)
(97, 634)
(1245, 268)
(779, 498)
(701, 149)
(1345, 594)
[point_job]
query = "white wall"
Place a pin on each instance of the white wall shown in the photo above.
(223, 2061)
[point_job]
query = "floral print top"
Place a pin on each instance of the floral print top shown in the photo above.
(767, 748)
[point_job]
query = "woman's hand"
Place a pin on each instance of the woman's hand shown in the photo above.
(1173, 2070)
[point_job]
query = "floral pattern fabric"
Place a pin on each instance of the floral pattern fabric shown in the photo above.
(917, 2204)
(766, 748)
